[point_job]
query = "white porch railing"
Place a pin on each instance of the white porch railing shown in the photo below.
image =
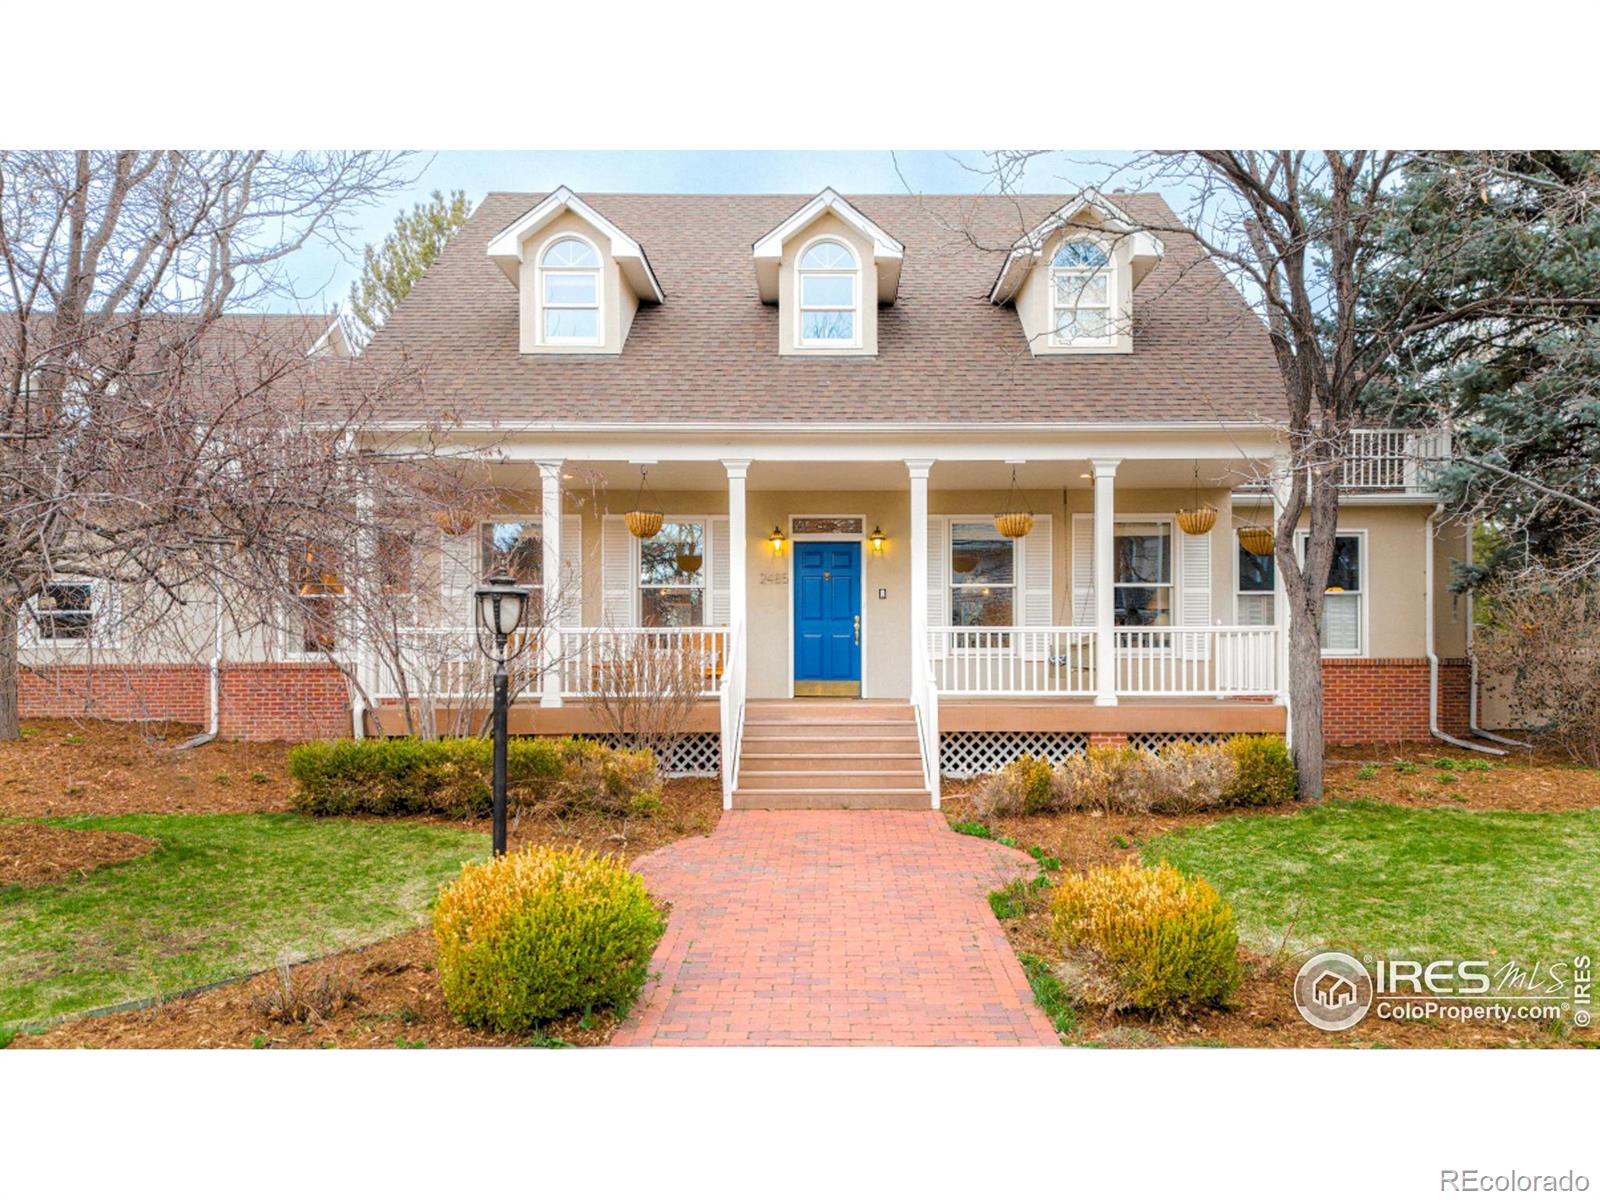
(443, 662)
(586, 655)
(1012, 660)
(1035, 660)
(1386, 459)
(1215, 661)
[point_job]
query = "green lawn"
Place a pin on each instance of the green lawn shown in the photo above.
(222, 895)
(1404, 882)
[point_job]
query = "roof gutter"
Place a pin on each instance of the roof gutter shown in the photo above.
(1433, 658)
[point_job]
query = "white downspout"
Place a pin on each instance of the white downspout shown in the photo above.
(1472, 667)
(214, 725)
(1433, 658)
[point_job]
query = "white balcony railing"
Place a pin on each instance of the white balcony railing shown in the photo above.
(1394, 459)
(1038, 660)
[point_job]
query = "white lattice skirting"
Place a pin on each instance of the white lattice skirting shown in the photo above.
(1157, 742)
(696, 754)
(963, 755)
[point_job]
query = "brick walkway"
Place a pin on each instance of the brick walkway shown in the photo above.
(834, 928)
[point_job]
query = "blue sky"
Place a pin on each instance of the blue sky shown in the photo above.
(322, 275)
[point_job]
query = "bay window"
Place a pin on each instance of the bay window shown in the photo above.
(672, 575)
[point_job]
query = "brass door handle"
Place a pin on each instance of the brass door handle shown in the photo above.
(858, 629)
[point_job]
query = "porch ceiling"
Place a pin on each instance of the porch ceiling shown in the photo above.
(888, 475)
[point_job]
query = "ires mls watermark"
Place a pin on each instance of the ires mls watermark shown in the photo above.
(1335, 991)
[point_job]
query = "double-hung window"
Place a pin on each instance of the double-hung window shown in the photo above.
(569, 283)
(672, 575)
(1344, 607)
(983, 577)
(65, 611)
(515, 547)
(830, 291)
(318, 589)
(1080, 295)
(1142, 572)
(1256, 579)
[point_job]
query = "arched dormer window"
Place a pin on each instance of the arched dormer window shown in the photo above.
(569, 293)
(1080, 295)
(830, 295)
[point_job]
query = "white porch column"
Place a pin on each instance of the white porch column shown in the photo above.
(918, 469)
(550, 537)
(738, 605)
(1105, 610)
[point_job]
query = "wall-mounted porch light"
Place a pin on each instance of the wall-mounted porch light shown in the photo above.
(877, 538)
(776, 538)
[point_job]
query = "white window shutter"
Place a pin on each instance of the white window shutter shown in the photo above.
(938, 580)
(1033, 579)
(1194, 589)
(721, 611)
(458, 576)
(570, 595)
(619, 576)
(1083, 569)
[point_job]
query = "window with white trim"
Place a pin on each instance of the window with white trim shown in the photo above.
(318, 589)
(1344, 607)
(64, 611)
(569, 293)
(1255, 579)
(1142, 572)
(1080, 295)
(672, 575)
(830, 294)
(983, 575)
(514, 545)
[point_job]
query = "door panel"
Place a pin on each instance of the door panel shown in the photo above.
(827, 616)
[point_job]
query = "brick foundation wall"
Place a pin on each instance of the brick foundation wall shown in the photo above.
(175, 692)
(1386, 699)
(261, 702)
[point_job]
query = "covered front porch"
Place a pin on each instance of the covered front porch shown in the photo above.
(1105, 616)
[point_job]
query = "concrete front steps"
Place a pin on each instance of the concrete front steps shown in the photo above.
(830, 754)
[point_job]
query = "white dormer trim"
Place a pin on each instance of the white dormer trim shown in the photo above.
(888, 253)
(1026, 252)
(508, 247)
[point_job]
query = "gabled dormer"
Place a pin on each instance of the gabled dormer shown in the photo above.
(580, 278)
(1072, 277)
(828, 267)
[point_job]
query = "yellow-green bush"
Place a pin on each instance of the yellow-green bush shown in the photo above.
(1020, 788)
(1148, 937)
(611, 783)
(546, 931)
(1265, 773)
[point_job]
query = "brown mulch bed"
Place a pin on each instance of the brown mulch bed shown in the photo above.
(64, 768)
(397, 1002)
(1522, 781)
(31, 855)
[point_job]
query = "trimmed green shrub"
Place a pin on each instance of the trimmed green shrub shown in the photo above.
(1020, 788)
(1147, 937)
(405, 776)
(1266, 773)
(534, 935)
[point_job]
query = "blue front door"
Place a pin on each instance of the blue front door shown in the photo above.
(827, 618)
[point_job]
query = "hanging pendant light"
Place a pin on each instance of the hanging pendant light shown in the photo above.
(642, 521)
(1016, 518)
(1199, 518)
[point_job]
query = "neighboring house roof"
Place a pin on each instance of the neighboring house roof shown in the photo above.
(709, 354)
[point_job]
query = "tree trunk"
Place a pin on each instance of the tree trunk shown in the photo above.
(10, 726)
(1305, 700)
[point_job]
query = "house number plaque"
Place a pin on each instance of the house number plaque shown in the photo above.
(770, 577)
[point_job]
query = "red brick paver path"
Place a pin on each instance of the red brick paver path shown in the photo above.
(834, 928)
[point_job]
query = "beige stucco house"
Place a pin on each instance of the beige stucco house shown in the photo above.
(830, 401)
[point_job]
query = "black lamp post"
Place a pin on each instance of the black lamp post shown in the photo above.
(502, 607)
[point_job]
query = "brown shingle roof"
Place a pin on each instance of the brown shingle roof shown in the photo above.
(945, 354)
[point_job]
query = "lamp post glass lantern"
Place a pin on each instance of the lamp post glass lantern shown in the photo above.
(502, 606)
